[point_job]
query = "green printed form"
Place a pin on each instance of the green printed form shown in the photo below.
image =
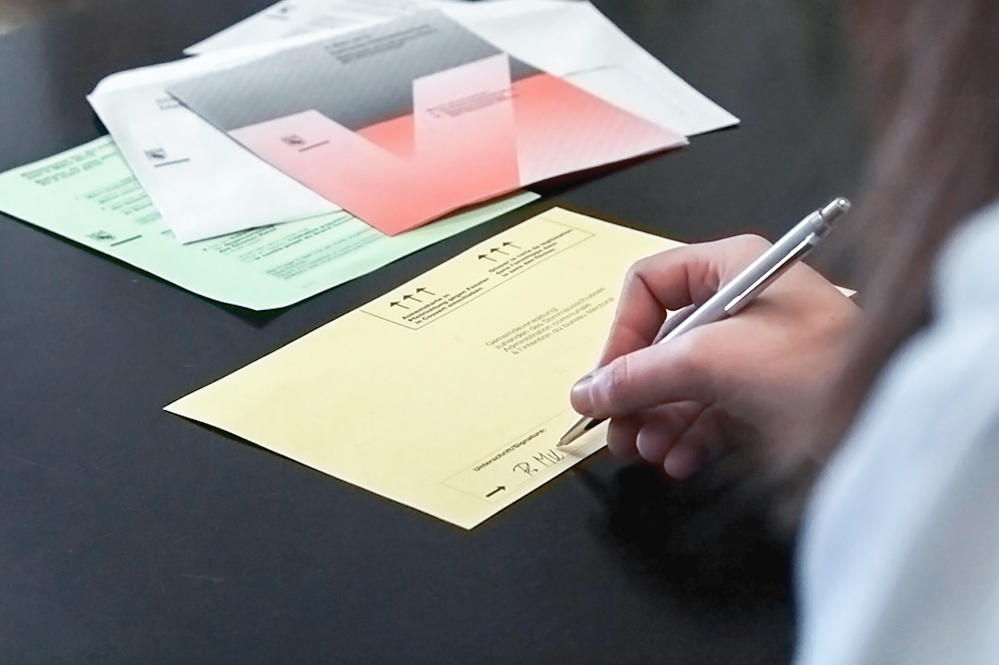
(89, 195)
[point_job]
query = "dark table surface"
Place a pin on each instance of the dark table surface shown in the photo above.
(130, 535)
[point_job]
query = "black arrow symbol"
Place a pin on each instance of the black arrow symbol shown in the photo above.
(498, 489)
(484, 256)
(409, 297)
(397, 304)
(499, 250)
(510, 244)
(421, 289)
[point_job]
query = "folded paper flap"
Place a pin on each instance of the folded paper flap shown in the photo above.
(420, 107)
(356, 79)
(566, 39)
(560, 37)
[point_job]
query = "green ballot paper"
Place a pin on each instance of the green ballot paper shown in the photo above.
(89, 195)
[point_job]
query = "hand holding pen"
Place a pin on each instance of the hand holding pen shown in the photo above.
(756, 374)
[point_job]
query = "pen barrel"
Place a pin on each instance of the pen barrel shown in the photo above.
(775, 271)
(787, 251)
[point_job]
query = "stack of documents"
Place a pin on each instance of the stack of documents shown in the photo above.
(412, 118)
(320, 139)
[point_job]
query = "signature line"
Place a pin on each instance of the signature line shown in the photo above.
(314, 145)
(176, 161)
(122, 242)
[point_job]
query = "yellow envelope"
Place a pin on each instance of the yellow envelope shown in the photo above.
(449, 393)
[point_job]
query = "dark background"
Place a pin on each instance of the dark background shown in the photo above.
(130, 535)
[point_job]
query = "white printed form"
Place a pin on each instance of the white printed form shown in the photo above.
(449, 393)
(203, 183)
(568, 38)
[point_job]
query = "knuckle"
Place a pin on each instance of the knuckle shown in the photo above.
(614, 384)
(690, 358)
(656, 262)
(639, 269)
(751, 243)
(633, 275)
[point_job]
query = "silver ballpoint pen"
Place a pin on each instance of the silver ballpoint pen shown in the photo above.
(738, 293)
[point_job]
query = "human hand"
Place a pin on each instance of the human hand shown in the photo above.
(756, 378)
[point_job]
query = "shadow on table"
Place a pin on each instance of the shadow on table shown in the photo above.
(708, 542)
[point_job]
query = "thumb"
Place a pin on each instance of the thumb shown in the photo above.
(654, 375)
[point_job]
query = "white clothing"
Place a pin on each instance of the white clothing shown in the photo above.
(899, 559)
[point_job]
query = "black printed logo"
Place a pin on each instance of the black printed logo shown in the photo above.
(101, 236)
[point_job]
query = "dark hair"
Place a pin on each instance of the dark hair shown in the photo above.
(932, 66)
(934, 69)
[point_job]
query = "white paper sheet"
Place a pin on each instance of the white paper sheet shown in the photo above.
(205, 185)
(566, 38)
(294, 17)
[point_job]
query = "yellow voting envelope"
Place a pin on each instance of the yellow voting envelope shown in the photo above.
(449, 393)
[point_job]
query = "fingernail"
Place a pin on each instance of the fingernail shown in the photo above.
(683, 461)
(674, 467)
(581, 394)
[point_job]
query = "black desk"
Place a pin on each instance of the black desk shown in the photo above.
(130, 535)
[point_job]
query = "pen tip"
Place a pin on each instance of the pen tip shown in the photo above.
(573, 433)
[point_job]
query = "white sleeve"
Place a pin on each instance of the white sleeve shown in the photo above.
(899, 559)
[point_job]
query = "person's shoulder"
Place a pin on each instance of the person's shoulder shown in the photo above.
(899, 538)
(967, 272)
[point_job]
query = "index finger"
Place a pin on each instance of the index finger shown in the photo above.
(671, 280)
